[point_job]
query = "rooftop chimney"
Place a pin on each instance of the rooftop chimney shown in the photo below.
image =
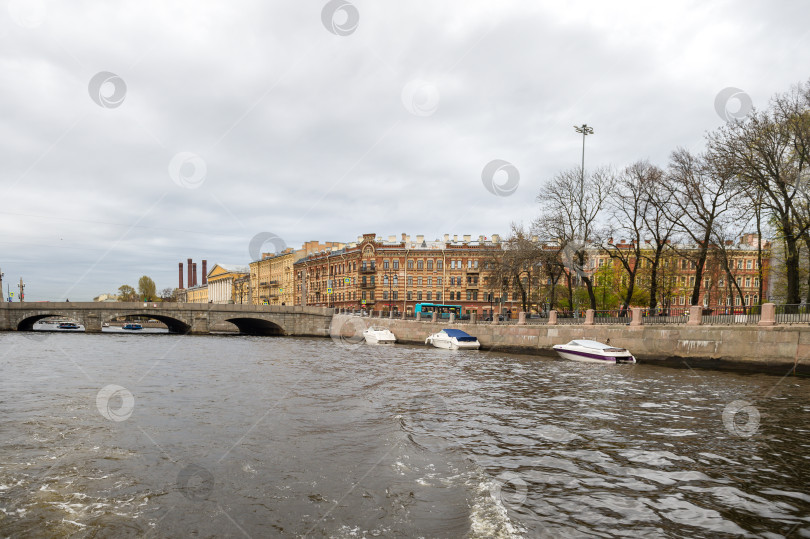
(205, 273)
(455, 237)
(392, 239)
(420, 238)
(403, 236)
(496, 238)
(180, 286)
(194, 273)
(467, 238)
(446, 238)
(190, 281)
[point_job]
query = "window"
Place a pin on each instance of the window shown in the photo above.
(419, 281)
(707, 282)
(364, 294)
(748, 282)
(419, 296)
(438, 296)
(748, 264)
(682, 300)
(428, 295)
(452, 264)
(475, 264)
(410, 280)
(737, 301)
(705, 301)
(385, 280)
(475, 295)
(420, 264)
(469, 263)
(721, 283)
(739, 266)
(429, 266)
(410, 264)
(409, 295)
(396, 280)
(469, 295)
(439, 264)
(396, 263)
(385, 294)
(438, 281)
(756, 281)
(385, 264)
(739, 281)
(395, 294)
(430, 281)
(371, 295)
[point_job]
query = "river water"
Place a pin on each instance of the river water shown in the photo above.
(119, 435)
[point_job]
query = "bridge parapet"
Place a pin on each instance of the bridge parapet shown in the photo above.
(179, 317)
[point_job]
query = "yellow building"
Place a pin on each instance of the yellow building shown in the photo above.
(221, 287)
(195, 294)
(272, 278)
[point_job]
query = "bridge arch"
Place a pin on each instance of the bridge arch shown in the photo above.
(256, 326)
(27, 323)
(174, 325)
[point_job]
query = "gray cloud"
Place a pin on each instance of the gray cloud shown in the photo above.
(304, 132)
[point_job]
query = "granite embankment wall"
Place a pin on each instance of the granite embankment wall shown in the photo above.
(768, 349)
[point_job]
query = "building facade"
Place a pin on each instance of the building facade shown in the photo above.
(272, 279)
(221, 283)
(677, 273)
(384, 275)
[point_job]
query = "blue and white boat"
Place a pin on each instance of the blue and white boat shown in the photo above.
(453, 339)
(131, 326)
(593, 352)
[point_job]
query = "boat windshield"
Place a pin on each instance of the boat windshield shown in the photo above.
(590, 344)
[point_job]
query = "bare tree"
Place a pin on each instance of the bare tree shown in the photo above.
(571, 203)
(701, 190)
(660, 218)
(629, 204)
(769, 152)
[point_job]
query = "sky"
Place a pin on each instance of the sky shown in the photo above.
(136, 135)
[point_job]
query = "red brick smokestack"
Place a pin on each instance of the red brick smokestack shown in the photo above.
(205, 273)
(189, 281)
(194, 273)
(181, 275)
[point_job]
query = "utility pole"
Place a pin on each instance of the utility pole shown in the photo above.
(2, 296)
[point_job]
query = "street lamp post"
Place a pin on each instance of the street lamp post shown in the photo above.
(586, 130)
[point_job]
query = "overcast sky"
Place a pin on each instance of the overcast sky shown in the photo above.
(136, 135)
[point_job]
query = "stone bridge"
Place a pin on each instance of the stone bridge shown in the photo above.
(194, 318)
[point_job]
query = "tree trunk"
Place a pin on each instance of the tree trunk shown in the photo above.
(792, 268)
(591, 295)
(701, 264)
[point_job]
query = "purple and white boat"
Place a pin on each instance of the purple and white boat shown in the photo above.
(593, 352)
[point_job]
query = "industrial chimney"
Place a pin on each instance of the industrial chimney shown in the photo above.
(205, 273)
(194, 273)
(190, 281)
(180, 286)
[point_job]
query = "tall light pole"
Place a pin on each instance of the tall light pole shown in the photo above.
(586, 130)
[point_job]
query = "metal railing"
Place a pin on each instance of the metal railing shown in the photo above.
(613, 316)
(665, 315)
(731, 315)
(570, 317)
(793, 314)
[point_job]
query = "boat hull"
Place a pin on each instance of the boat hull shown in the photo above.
(593, 356)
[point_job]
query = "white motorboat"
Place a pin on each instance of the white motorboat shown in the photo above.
(593, 352)
(453, 339)
(377, 335)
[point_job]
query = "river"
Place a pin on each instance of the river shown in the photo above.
(116, 435)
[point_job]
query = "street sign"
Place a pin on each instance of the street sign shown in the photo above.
(328, 290)
(347, 280)
(363, 302)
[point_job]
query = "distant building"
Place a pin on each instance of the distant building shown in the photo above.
(272, 279)
(194, 294)
(106, 298)
(221, 282)
(377, 274)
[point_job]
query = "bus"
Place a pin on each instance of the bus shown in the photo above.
(443, 311)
